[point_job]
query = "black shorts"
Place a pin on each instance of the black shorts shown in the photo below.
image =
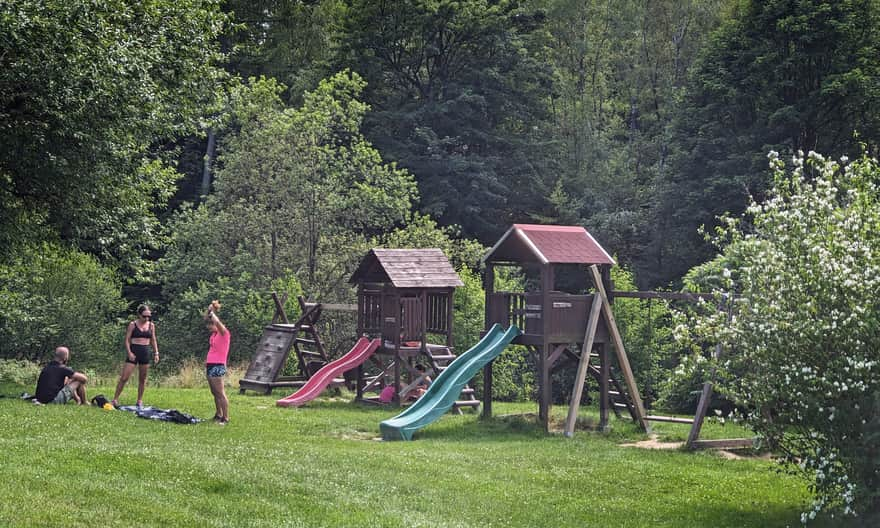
(141, 355)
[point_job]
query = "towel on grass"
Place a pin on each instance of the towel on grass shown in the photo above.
(165, 415)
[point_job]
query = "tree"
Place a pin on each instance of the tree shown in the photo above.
(302, 187)
(801, 350)
(784, 75)
(455, 87)
(288, 40)
(52, 295)
(90, 92)
(618, 68)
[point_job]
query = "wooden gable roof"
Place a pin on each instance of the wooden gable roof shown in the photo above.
(548, 244)
(407, 268)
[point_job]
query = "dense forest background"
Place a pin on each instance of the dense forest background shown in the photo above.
(179, 151)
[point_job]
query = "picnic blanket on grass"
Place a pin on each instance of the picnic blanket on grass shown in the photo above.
(164, 415)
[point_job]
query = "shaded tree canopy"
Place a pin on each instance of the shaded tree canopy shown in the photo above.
(89, 93)
(783, 75)
(455, 88)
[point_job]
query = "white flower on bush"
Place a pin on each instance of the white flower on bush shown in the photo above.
(801, 345)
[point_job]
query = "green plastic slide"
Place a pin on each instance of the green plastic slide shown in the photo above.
(444, 391)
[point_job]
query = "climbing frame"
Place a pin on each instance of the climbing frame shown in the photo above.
(278, 339)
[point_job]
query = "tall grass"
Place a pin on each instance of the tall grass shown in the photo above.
(191, 375)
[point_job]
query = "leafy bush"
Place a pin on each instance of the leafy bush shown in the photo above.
(51, 296)
(247, 308)
(680, 392)
(646, 328)
(802, 344)
(19, 371)
(513, 374)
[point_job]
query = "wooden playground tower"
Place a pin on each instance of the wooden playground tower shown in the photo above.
(578, 327)
(557, 325)
(405, 298)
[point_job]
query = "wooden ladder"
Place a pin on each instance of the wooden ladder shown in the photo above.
(440, 357)
(619, 399)
(308, 346)
(601, 307)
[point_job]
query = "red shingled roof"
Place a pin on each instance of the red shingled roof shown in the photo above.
(549, 244)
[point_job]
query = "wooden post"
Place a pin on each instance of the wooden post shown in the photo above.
(620, 351)
(581, 376)
(423, 298)
(487, 390)
(450, 315)
(705, 398)
(361, 312)
(279, 308)
(544, 404)
(489, 288)
(702, 407)
(546, 389)
(604, 376)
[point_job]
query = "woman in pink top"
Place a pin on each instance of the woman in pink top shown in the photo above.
(215, 363)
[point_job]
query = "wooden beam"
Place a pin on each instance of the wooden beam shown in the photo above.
(378, 379)
(581, 376)
(489, 288)
(670, 419)
(700, 416)
(604, 373)
(339, 307)
(730, 443)
(554, 357)
(279, 308)
(672, 296)
(406, 390)
(619, 349)
(546, 391)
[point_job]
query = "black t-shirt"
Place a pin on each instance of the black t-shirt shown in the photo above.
(51, 381)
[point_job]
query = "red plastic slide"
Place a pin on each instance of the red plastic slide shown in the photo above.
(360, 352)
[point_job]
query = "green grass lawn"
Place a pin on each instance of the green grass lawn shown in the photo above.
(323, 465)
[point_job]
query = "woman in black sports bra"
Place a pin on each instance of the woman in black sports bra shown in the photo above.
(140, 336)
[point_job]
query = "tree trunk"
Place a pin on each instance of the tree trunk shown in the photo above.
(209, 159)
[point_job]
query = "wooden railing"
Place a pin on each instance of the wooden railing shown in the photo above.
(508, 308)
(411, 318)
(438, 314)
(370, 312)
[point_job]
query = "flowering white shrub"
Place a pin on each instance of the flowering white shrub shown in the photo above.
(802, 345)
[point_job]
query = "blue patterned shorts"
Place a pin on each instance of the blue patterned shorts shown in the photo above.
(215, 370)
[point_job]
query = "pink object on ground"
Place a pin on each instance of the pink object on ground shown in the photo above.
(360, 352)
(387, 394)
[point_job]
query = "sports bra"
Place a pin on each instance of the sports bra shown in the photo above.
(137, 332)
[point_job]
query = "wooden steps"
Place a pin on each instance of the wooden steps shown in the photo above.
(440, 358)
(443, 357)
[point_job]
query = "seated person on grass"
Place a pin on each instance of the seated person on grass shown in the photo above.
(59, 383)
